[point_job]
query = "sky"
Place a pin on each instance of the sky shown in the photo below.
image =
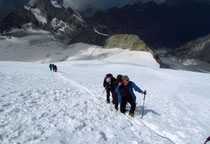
(82, 5)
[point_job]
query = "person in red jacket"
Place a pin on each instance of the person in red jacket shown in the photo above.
(207, 140)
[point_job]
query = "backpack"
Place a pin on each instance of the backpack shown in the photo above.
(108, 81)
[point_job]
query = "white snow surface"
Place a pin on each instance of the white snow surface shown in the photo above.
(41, 107)
(43, 48)
(38, 14)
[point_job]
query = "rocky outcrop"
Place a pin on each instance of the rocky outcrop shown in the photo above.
(132, 42)
(126, 41)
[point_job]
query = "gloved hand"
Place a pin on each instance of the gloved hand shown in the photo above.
(145, 92)
(119, 84)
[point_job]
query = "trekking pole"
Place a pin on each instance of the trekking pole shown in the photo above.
(143, 104)
(103, 92)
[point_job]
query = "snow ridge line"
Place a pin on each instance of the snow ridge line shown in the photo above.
(75, 83)
(164, 137)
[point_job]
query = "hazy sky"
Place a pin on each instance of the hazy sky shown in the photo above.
(81, 5)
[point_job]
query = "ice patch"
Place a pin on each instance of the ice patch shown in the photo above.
(188, 62)
(55, 4)
(65, 6)
(96, 31)
(78, 17)
(27, 7)
(60, 25)
(37, 13)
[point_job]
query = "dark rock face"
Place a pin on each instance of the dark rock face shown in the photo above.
(64, 23)
(159, 25)
(198, 49)
(7, 6)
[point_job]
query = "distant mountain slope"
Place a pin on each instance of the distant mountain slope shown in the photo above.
(159, 25)
(195, 53)
(41, 46)
(197, 49)
(64, 23)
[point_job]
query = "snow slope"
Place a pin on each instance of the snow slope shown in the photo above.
(38, 106)
(40, 46)
(41, 107)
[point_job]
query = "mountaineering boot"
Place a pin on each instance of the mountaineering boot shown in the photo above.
(131, 114)
(108, 101)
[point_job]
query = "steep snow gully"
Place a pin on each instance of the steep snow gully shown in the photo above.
(42, 107)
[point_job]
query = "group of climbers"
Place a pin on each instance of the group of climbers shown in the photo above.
(53, 67)
(122, 92)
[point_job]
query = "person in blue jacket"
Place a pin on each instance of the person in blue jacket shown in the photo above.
(51, 67)
(126, 94)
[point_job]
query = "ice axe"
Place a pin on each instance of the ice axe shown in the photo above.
(145, 92)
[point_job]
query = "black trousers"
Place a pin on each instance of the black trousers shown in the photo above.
(108, 91)
(125, 100)
(108, 94)
(114, 97)
(115, 100)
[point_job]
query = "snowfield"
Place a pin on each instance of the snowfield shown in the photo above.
(42, 107)
(41, 47)
(39, 106)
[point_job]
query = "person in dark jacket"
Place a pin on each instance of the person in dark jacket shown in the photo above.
(126, 94)
(207, 140)
(119, 80)
(55, 69)
(109, 84)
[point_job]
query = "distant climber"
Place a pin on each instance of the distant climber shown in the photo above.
(51, 67)
(207, 140)
(109, 85)
(55, 69)
(126, 94)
